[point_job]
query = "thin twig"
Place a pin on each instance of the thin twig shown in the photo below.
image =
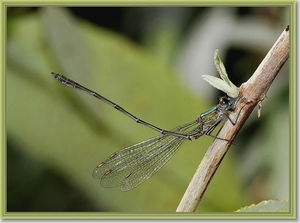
(251, 92)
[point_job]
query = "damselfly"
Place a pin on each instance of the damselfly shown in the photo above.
(131, 166)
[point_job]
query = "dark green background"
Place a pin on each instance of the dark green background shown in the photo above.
(56, 135)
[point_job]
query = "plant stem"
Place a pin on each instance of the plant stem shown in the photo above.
(252, 93)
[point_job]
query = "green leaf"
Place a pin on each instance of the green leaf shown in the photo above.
(267, 206)
(220, 84)
(225, 84)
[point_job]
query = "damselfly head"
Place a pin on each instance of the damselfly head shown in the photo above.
(226, 102)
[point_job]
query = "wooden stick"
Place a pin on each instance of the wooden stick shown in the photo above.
(252, 93)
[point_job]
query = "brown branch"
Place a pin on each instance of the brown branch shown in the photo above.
(251, 92)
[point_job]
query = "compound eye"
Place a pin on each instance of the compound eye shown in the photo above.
(223, 100)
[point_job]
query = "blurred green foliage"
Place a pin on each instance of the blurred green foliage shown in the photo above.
(56, 135)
